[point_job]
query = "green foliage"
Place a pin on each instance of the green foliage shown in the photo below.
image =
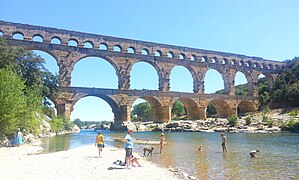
(30, 67)
(291, 125)
(178, 109)
(23, 83)
(293, 112)
(286, 86)
(67, 124)
(270, 122)
(57, 124)
(211, 110)
(241, 89)
(248, 120)
(232, 120)
(143, 111)
(17, 104)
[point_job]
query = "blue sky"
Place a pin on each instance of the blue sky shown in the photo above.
(263, 28)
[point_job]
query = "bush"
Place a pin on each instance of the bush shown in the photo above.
(270, 123)
(232, 120)
(293, 112)
(248, 120)
(291, 125)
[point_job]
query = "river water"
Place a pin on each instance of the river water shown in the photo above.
(278, 157)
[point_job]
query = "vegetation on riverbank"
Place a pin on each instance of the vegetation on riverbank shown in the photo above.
(25, 86)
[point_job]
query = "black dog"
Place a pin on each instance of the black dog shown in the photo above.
(150, 151)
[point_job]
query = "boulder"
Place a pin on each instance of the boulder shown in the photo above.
(115, 126)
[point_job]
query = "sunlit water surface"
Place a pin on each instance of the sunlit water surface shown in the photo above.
(278, 157)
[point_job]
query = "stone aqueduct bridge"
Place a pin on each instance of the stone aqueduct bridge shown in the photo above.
(122, 54)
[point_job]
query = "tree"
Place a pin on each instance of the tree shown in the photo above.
(143, 111)
(286, 86)
(178, 109)
(56, 124)
(23, 82)
(30, 67)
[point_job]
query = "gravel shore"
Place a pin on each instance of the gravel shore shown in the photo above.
(79, 163)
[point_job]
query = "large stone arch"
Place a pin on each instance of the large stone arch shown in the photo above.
(191, 106)
(222, 107)
(269, 77)
(246, 106)
(157, 107)
(112, 103)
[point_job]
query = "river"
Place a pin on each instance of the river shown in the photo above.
(278, 157)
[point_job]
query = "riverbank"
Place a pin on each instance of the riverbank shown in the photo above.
(79, 163)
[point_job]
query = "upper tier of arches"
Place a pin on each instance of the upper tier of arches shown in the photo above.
(106, 43)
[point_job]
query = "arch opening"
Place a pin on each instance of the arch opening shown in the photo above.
(50, 61)
(103, 46)
(18, 36)
(170, 54)
(117, 48)
(193, 58)
(49, 107)
(214, 82)
(221, 109)
(144, 52)
(158, 53)
(181, 79)
(88, 44)
(241, 84)
(178, 111)
(131, 50)
(93, 108)
(72, 42)
(37, 38)
(94, 72)
(1, 33)
(144, 76)
(142, 110)
(55, 40)
(245, 107)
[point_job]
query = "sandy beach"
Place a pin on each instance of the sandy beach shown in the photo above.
(79, 163)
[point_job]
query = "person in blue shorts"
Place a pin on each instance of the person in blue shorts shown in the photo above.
(128, 148)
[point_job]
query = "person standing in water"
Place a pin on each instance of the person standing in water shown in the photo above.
(223, 143)
(128, 148)
(99, 143)
(162, 139)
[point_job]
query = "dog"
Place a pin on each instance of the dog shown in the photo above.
(150, 151)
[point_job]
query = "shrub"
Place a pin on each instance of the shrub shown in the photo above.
(270, 123)
(291, 125)
(293, 112)
(248, 120)
(232, 120)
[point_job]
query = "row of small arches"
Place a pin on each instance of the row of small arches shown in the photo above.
(158, 53)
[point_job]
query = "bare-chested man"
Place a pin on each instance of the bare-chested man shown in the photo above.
(224, 142)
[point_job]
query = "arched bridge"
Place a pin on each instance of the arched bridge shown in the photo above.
(69, 47)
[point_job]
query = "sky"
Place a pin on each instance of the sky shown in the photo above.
(262, 28)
